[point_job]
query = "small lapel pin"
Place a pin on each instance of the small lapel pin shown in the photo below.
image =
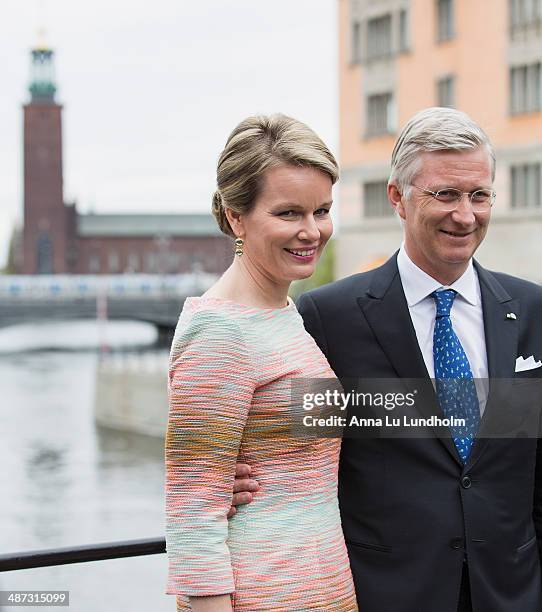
(511, 315)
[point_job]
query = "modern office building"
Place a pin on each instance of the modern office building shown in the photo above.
(483, 57)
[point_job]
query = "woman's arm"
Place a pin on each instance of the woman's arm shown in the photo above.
(215, 603)
(211, 383)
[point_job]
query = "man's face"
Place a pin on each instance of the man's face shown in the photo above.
(441, 243)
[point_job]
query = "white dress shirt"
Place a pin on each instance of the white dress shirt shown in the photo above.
(466, 315)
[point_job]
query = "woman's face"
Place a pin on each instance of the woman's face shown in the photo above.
(285, 232)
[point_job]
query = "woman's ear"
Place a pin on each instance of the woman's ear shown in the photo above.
(396, 200)
(236, 222)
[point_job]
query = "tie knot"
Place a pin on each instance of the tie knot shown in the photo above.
(444, 300)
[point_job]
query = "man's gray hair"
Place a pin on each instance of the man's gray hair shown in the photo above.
(434, 129)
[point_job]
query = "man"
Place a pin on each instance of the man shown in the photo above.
(440, 523)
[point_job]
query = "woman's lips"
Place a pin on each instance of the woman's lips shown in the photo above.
(304, 255)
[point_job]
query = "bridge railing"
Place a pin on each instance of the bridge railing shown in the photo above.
(112, 286)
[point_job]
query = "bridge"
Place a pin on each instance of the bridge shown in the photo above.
(156, 299)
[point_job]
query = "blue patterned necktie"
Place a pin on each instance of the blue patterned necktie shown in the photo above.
(456, 391)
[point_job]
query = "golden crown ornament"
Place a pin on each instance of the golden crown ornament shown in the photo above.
(239, 246)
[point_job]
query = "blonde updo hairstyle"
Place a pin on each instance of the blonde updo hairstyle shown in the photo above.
(258, 143)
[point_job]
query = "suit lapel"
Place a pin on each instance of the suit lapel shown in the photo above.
(386, 311)
(501, 336)
(501, 333)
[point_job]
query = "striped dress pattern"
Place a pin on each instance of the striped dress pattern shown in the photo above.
(230, 386)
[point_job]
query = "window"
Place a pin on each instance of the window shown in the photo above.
(94, 263)
(403, 30)
(514, 14)
(526, 186)
(44, 254)
(375, 200)
(379, 114)
(356, 42)
(113, 262)
(152, 262)
(173, 262)
(445, 20)
(526, 88)
(133, 262)
(522, 13)
(379, 37)
(445, 92)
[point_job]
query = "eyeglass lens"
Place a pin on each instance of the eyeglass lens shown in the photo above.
(481, 197)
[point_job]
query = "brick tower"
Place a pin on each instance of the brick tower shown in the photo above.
(45, 218)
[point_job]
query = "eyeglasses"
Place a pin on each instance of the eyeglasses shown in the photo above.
(449, 198)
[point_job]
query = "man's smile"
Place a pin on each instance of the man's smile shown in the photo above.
(457, 234)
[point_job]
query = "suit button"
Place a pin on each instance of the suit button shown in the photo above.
(466, 482)
(456, 543)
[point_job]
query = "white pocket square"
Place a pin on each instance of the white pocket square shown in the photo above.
(530, 363)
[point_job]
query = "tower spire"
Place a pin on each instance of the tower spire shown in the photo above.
(42, 76)
(41, 39)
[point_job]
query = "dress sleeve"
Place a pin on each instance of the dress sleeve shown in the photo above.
(211, 384)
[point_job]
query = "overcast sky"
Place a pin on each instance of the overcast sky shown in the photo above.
(151, 89)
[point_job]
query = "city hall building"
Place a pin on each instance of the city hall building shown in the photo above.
(57, 239)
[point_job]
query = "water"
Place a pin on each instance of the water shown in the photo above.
(64, 481)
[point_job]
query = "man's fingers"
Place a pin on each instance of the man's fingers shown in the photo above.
(231, 512)
(241, 498)
(245, 485)
(242, 470)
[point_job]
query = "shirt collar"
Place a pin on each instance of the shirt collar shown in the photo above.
(417, 284)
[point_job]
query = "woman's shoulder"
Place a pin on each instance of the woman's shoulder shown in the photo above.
(206, 315)
(206, 329)
(232, 322)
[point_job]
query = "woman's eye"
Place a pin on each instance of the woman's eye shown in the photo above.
(288, 213)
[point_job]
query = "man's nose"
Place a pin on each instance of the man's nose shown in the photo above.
(463, 213)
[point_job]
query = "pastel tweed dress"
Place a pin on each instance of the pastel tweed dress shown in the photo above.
(231, 369)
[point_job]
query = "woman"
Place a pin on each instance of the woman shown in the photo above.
(234, 355)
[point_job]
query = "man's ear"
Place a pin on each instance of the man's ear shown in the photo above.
(396, 200)
(236, 222)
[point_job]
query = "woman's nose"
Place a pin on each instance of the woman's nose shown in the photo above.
(309, 230)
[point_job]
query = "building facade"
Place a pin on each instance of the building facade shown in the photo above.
(400, 56)
(57, 239)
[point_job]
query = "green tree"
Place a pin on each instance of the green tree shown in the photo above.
(14, 245)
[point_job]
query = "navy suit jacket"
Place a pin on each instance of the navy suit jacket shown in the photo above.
(411, 511)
